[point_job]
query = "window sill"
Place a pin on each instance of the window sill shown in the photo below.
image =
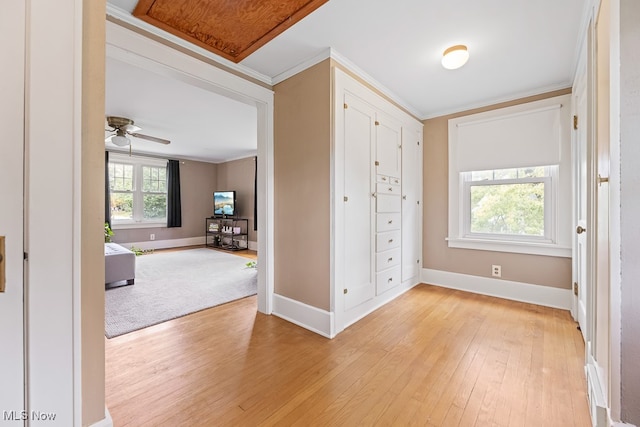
(131, 225)
(545, 249)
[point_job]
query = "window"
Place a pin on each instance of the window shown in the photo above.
(510, 179)
(138, 189)
(511, 204)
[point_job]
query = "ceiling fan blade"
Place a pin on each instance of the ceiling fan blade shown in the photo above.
(130, 128)
(151, 138)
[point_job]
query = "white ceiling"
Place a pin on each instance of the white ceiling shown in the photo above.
(200, 124)
(517, 48)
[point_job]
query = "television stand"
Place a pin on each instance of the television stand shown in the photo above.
(231, 234)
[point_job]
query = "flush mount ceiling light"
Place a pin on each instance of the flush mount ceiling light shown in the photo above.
(455, 57)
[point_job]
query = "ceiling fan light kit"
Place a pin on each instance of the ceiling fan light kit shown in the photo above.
(120, 139)
(123, 128)
(455, 57)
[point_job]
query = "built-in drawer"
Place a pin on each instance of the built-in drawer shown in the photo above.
(387, 222)
(388, 203)
(387, 240)
(387, 279)
(387, 259)
(382, 188)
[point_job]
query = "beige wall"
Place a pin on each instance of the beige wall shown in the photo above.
(302, 148)
(533, 269)
(198, 181)
(92, 213)
(239, 175)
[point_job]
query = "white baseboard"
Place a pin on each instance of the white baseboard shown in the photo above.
(517, 291)
(164, 244)
(597, 400)
(106, 422)
(175, 243)
(304, 315)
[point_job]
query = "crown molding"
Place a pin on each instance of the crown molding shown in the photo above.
(121, 15)
(494, 101)
(350, 66)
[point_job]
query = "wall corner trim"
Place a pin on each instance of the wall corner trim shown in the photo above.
(304, 315)
(517, 291)
(106, 421)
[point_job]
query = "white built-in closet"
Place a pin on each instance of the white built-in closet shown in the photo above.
(377, 204)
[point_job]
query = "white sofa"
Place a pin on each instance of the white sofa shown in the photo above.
(119, 264)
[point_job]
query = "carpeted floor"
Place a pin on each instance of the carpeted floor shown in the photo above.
(173, 284)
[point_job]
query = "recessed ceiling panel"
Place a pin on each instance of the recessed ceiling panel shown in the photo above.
(232, 29)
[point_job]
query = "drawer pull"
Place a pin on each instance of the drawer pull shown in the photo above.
(390, 240)
(390, 280)
(390, 188)
(390, 259)
(384, 178)
(390, 221)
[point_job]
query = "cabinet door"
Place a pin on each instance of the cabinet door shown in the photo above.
(358, 184)
(388, 152)
(411, 207)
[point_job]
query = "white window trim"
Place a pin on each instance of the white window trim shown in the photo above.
(561, 244)
(138, 162)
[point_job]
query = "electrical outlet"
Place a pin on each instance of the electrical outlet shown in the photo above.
(496, 270)
(152, 237)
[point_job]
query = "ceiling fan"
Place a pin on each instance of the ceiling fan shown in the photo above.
(122, 128)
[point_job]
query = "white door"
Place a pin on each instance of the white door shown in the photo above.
(359, 284)
(411, 218)
(12, 27)
(580, 201)
(388, 152)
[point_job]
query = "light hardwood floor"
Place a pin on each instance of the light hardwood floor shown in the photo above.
(433, 356)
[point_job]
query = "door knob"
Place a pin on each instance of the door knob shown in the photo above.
(580, 229)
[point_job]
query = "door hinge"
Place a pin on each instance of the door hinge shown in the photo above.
(25, 256)
(377, 123)
(2, 264)
(346, 199)
(345, 291)
(575, 122)
(345, 106)
(575, 288)
(418, 142)
(377, 163)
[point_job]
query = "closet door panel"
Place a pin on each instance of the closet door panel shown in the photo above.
(411, 208)
(388, 153)
(358, 188)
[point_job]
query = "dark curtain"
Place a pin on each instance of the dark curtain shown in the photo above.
(255, 195)
(174, 209)
(107, 192)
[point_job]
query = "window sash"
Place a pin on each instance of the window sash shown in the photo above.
(138, 214)
(549, 207)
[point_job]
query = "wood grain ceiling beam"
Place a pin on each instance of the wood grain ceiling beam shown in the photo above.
(233, 29)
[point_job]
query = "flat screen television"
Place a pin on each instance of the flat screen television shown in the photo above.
(224, 203)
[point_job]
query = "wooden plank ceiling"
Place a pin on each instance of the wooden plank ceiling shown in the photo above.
(233, 29)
